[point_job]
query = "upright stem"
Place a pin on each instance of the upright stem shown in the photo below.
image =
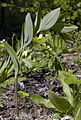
(16, 97)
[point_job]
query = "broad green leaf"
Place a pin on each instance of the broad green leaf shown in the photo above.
(49, 20)
(66, 89)
(23, 94)
(11, 81)
(69, 29)
(77, 111)
(13, 56)
(59, 102)
(70, 78)
(28, 30)
(41, 101)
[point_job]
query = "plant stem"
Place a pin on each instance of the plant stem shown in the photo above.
(16, 97)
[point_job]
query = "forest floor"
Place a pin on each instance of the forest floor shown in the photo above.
(39, 84)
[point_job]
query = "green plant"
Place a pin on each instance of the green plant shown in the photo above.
(26, 38)
(70, 82)
(16, 58)
(70, 103)
(23, 94)
(19, 61)
(15, 61)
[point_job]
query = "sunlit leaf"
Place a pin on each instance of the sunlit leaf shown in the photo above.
(49, 20)
(70, 78)
(28, 31)
(69, 28)
(23, 94)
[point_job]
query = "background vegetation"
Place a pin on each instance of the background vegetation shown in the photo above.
(12, 13)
